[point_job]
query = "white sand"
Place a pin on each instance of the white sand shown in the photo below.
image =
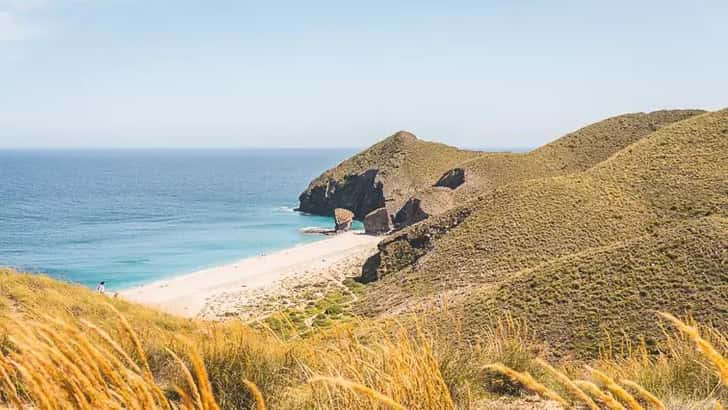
(223, 289)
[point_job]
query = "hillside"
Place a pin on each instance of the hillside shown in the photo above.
(673, 176)
(574, 152)
(22, 294)
(402, 168)
(385, 174)
(610, 289)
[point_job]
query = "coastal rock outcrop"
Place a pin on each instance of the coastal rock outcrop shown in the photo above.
(384, 175)
(360, 192)
(342, 219)
(452, 178)
(424, 204)
(404, 248)
(377, 222)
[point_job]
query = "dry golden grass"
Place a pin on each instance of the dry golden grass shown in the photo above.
(53, 364)
(196, 364)
(600, 395)
(59, 360)
(649, 397)
(259, 400)
(615, 389)
(703, 345)
(569, 385)
(528, 382)
(85, 372)
(358, 388)
(638, 363)
(377, 365)
(677, 373)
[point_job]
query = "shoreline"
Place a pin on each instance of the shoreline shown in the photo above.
(236, 288)
(214, 265)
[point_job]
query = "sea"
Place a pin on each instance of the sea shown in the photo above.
(128, 217)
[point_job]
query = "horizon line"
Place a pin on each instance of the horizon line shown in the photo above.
(222, 148)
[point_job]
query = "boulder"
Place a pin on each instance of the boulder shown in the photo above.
(342, 219)
(452, 178)
(426, 203)
(377, 222)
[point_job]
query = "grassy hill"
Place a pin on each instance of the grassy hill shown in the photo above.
(34, 307)
(673, 176)
(574, 152)
(401, 166)
(578, 299)
(388, 173)
(25, 294)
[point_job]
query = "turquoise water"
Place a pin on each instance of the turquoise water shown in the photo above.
(132, 216)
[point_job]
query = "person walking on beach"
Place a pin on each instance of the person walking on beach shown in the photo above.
(101, 288)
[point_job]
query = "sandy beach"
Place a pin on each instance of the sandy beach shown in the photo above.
(248, 287)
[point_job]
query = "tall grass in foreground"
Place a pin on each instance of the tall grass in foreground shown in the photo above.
(52, 364)
(399, 370)
(664, 372)
(48, 363)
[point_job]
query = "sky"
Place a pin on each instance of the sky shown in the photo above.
(480, 74)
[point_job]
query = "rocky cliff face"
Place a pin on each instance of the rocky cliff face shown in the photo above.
(360, 193)
(384, 175)
(424, 204)
(377, 222)
(404, 248)
(452, 178)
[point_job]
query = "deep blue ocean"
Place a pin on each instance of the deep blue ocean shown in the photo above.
(132, 216)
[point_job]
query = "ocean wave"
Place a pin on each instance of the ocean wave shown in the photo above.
(132, 261)
(286, 209)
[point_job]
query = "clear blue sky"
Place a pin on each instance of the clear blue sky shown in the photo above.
(183, 73)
